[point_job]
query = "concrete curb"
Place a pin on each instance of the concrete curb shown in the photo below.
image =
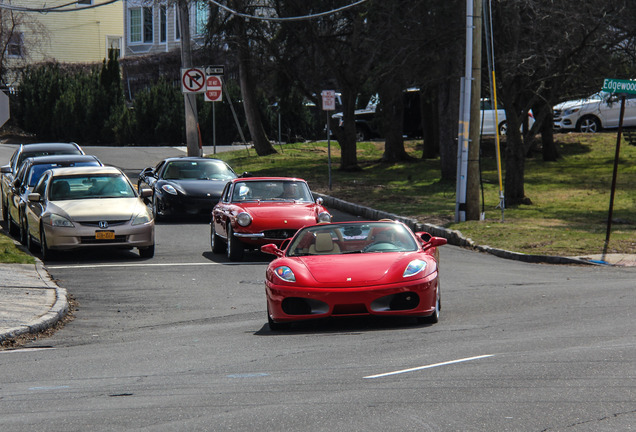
(454, 237)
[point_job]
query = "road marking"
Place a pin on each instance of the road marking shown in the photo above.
(429, 366)
(76, 266)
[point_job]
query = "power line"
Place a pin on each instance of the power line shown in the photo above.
(298, 18)
(59, 8)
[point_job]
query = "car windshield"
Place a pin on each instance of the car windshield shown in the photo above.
(349, 238)
(37, 170)
(271, 190)
(197, 170)
(27, 154)
(90, 186)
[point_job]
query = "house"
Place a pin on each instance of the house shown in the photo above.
(58, 30)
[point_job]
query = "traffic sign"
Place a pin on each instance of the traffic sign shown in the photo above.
(328, 100)
(192, 80)
(611, 85)
(4, 108)
(214, 70)
(214, 89)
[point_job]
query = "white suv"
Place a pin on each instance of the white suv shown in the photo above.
(598, 111)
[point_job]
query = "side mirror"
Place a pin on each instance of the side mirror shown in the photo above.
(5, 169)
(145, 193)
(246, 174)
(34, 197)
(435, 242)
(272, 249)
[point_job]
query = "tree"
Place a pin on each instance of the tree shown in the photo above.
(15, 47)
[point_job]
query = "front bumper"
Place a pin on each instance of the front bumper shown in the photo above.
(414, 298)
(83, 236)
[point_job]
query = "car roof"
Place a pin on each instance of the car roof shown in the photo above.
(193, 158)
(46, 146)
(58, 172)
(37, 160)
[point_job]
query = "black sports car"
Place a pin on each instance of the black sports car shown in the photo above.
(184, 186)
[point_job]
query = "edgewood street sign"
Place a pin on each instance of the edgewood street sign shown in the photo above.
(619, 86)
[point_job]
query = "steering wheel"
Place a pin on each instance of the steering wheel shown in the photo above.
(380, 247)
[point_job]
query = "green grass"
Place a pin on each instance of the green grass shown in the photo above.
(10, 253)
(570, 197)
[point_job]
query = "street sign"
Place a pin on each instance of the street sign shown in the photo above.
(192, 80)
(214, 70)
(328, 100)
(611, 85)
(214, 89)
(4, 108)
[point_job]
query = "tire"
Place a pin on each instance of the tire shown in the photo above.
(23, 230)
(216, 243)
(588, 124)
(361, 134)
(274, 326)
(155, 208)
(434, 317)
(147, 252)
(235, 249)
(503, 128)
(47, 254)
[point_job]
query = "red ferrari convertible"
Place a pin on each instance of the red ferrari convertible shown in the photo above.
(254, 211)
(352, 269)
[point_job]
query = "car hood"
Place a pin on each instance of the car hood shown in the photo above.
(111, 209)
(295, 215)
(578, 102)
(198, 188)
(360, 269)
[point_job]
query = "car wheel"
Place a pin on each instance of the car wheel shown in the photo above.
(434, 317)
(589, 124)
(234, 246)
(503, 128)
(47, 254)
(147, 252)
(361, 134)
(23, 230)
(155, 207)
(216, 243)
(274, 326)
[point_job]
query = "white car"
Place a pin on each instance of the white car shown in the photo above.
(591, 114)
(488, 119)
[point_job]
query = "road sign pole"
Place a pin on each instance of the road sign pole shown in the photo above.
(214, 127)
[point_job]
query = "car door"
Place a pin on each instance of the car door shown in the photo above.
(220, 213)
(35, 209)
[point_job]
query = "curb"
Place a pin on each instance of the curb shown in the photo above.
(454, 237)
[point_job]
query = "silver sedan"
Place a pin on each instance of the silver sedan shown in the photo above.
(87, 207)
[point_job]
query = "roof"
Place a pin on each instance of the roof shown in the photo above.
(70, 171)
(38, 160)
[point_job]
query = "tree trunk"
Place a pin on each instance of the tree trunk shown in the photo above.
(448, 128)
(347, 135)
(543, 115)
(392, 118)
(262, 145)
(430, 126)
(515, 160)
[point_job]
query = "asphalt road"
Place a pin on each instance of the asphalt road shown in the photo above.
(180, 343)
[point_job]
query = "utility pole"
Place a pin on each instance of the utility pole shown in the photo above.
(190, 101)
(473, 175)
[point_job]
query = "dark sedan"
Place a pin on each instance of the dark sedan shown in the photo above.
(185, 186)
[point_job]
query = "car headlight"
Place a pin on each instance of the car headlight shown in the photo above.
(244, 219)
(141, 219)
(285, 273)
(60, 221)
(169, 189)
(324, 217)
(570, 111)
(414, 268)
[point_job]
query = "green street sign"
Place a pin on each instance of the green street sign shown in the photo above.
(619, 86)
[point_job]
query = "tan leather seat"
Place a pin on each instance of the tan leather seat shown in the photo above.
(324, 245)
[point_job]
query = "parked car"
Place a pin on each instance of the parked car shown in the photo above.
(27, 177)
(259, 210)
(488, 119)
(185, 185)
(594, 113)
(30, 150)
(345, 269)
(88, 207)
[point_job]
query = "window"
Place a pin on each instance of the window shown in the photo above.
(140, 25)
(113, 43)
(84, 2)
(201, 14)
(15, 47)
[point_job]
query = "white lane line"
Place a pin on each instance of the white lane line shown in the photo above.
(429, 366)
(91, 266)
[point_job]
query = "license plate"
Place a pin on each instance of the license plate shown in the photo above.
(104, 235)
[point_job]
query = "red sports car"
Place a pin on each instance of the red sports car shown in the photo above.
(254, 211)
(352, 269)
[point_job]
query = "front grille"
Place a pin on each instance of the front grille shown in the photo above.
(281, 234)
(110, 223)
(93, 240)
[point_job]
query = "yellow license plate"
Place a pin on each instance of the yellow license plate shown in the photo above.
(104, 235)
